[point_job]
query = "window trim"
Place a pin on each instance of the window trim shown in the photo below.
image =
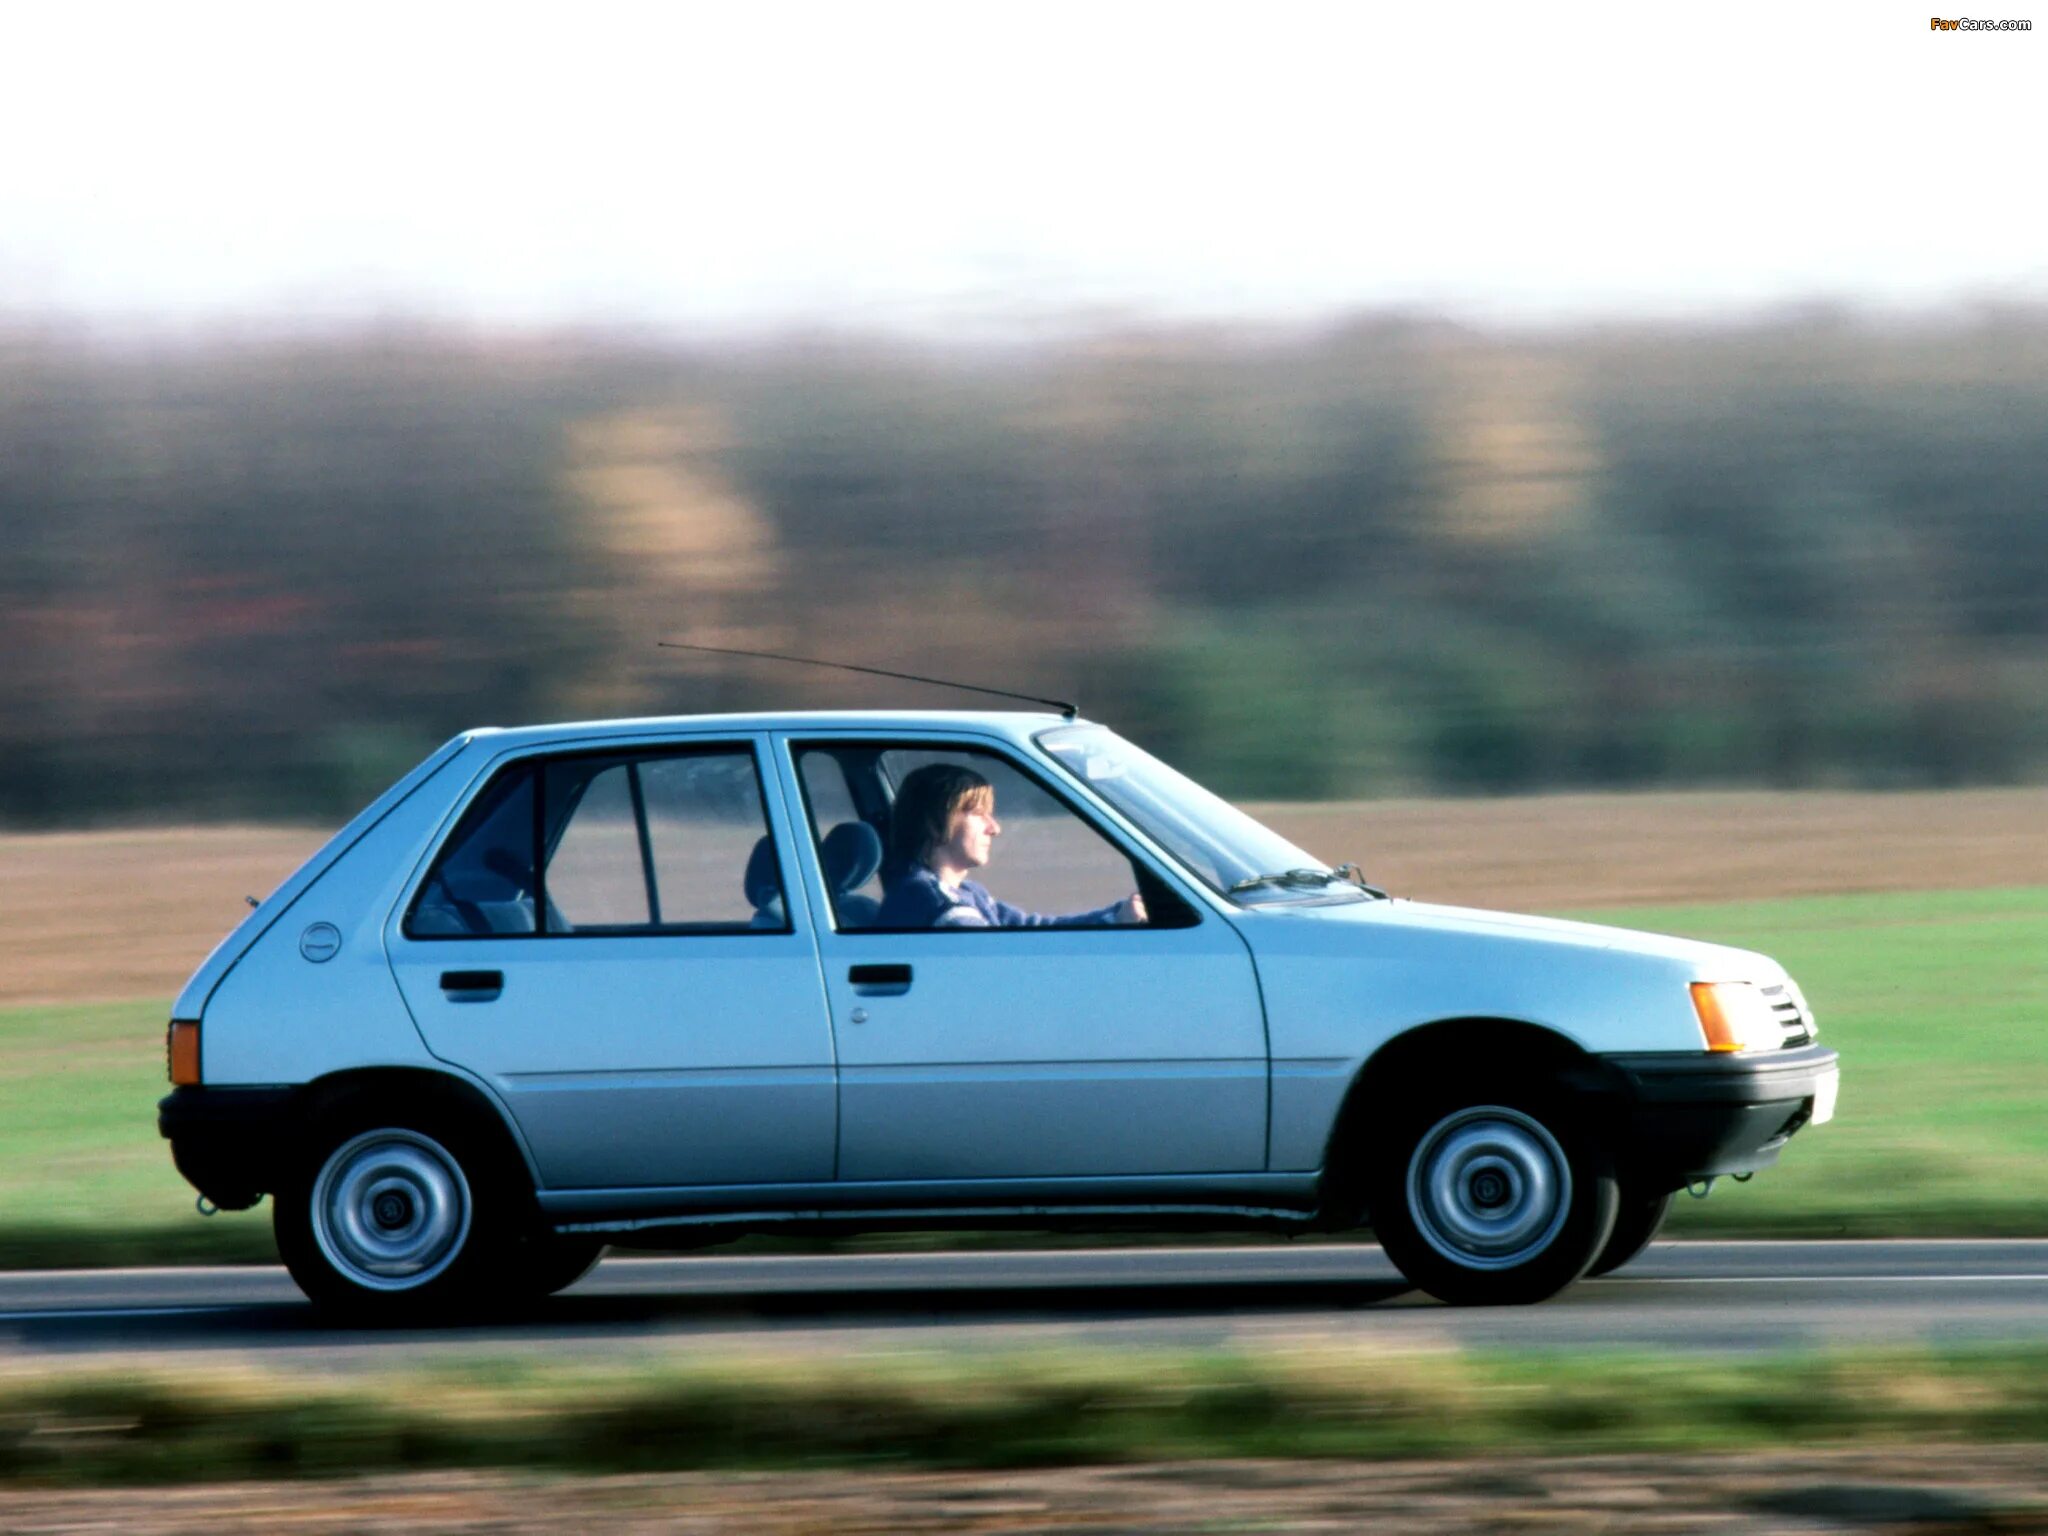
(536, 762)
(795, 744)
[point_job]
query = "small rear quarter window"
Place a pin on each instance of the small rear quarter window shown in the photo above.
(483, 881)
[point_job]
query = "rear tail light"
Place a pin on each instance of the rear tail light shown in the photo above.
(181, 1046)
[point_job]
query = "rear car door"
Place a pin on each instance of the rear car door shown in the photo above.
(605, 937)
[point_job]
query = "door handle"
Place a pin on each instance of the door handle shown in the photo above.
(880, 980)
(472, 986)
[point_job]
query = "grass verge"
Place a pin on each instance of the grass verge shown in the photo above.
(995, 1411)
(1935, 1000)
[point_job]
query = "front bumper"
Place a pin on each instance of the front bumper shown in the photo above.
(1693, 1115)
(228, 1142)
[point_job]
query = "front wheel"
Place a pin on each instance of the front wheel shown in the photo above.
(1506, 1198)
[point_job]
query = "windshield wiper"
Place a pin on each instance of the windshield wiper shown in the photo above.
(1343, 874)
(1290, 877)
(1356, 876)
(1286, 877)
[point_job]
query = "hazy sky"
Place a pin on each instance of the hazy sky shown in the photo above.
(740, 164)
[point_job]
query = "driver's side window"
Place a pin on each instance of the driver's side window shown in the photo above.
(911, 837)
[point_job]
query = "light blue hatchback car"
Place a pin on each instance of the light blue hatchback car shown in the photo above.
(652, 983)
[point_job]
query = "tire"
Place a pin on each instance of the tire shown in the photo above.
(1503, 1197)
(1635, 1228)
(545, 1265)
(394, 1216)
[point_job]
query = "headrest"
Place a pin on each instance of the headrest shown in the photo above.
(851, 853)
(764, 875)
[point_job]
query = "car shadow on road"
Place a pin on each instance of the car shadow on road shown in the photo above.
(906, 1306)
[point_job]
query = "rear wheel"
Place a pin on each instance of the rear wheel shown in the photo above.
(1506, 1197)
(1635, 1228)
(391, 1216)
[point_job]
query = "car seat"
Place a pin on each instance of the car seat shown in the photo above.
(763, 882)
(850, 855)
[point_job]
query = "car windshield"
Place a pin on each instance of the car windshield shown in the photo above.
(1231, 853)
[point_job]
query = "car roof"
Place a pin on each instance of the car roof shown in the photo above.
(1014, 725)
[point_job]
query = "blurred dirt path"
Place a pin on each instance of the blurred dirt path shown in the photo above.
(1547, 852)
(93, 915)
(1905, 1490)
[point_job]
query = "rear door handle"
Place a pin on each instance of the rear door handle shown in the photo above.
(880, 980)
(472, 986)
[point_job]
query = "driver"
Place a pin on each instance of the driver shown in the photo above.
(944, 825)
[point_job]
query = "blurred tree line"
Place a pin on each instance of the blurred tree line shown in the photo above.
(257, 576)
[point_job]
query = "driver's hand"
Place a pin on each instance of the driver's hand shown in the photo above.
(1133, 909)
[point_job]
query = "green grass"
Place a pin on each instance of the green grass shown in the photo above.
(84, 1177)
(1938, 1003)
(975, 1409)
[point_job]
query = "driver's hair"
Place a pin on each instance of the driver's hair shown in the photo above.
(928, 803)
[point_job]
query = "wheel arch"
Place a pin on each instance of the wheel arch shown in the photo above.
(420, 1090)
(1433, 1052)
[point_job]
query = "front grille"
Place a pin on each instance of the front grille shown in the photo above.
(1795, 1023)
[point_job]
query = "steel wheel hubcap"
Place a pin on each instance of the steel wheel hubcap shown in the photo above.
(391, 1209)
(1489, 1187)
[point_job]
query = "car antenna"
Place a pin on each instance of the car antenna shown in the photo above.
(1065, 708)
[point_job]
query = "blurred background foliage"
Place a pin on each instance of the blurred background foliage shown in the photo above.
(255, 575)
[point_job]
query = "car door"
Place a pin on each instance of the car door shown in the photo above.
(1079, 1050)
(606, 939)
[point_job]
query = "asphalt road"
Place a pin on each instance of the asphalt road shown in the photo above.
(1732, 1297)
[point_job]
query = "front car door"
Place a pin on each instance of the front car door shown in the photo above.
(1080, 1050)
(606, 938)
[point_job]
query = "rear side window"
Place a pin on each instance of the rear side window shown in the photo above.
(672, 842)
(594, 875)
(705, 828)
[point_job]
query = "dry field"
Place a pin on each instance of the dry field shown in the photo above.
(88, 916)
(1905, 1490)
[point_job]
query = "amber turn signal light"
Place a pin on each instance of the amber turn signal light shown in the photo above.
(1734, 1016)
(183, 1049)
(1714, 1020)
